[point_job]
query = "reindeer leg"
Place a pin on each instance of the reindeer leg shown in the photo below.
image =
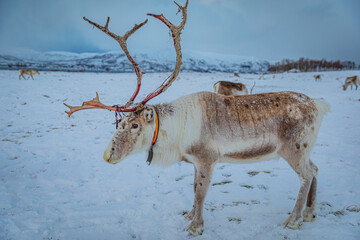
(306, 175)
(203, 179)
(309, 214)
(191, 215)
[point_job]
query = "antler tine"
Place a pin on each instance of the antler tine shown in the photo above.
(94, 103)
(122, 41)
(340, 82)
(252, 88)
(175, 32)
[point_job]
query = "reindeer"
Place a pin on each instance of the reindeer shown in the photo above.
(206, 128)
(29, 72)
(317, 77)
(229, 88)
(354, 80)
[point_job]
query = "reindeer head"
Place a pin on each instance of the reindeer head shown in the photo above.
(344, 86)
(136, 127)
(134, 134)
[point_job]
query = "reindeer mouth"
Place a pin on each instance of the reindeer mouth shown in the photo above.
(107, 156)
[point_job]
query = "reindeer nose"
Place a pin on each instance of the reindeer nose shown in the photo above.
(107, 155)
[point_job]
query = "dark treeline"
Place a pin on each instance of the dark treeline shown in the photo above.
(309, 65)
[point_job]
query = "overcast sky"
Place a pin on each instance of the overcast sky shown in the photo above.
(264, 29)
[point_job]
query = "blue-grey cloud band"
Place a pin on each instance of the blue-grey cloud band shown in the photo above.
(265, 29)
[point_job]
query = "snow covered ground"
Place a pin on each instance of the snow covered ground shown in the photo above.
(55, 185)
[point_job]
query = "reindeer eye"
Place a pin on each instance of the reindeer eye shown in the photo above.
(135, 125)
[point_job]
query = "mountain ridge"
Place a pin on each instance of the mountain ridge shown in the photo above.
(159, 61)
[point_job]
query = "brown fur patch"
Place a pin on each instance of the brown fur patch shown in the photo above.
(201, 151)
(225, 87)
(164, 110)
(252, 153)
(250, 116)
(163, 133)
(238, 86)
(184, 159)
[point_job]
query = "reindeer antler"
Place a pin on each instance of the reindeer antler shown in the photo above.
(340, 82)
(252, 88)
(95, 103)
(122, 41)
(176, 32)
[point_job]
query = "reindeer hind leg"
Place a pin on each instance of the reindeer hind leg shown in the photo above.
(191, 215)
(309, 214)
(300, 163)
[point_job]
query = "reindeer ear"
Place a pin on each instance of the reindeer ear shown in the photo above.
(149, 114)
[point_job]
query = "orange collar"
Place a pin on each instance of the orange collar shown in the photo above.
(156, 133)
(156, 128)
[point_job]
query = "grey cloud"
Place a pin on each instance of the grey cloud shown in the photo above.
(264, 29)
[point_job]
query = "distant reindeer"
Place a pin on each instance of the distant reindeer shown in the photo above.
(317, 77)
(236, 75)
(230, 88)
(206, 128)
(354, 80)
(29, 72)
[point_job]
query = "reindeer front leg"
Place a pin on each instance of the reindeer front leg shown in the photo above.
(201, 185)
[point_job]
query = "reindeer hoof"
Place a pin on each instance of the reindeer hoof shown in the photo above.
(293, 224)
(309, 215)
(195, 229)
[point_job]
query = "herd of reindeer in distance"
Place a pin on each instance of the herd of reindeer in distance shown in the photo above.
(235, 88)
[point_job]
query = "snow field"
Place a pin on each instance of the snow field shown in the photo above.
(55, 185)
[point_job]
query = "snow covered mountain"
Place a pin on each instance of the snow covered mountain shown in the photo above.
(149, 62)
